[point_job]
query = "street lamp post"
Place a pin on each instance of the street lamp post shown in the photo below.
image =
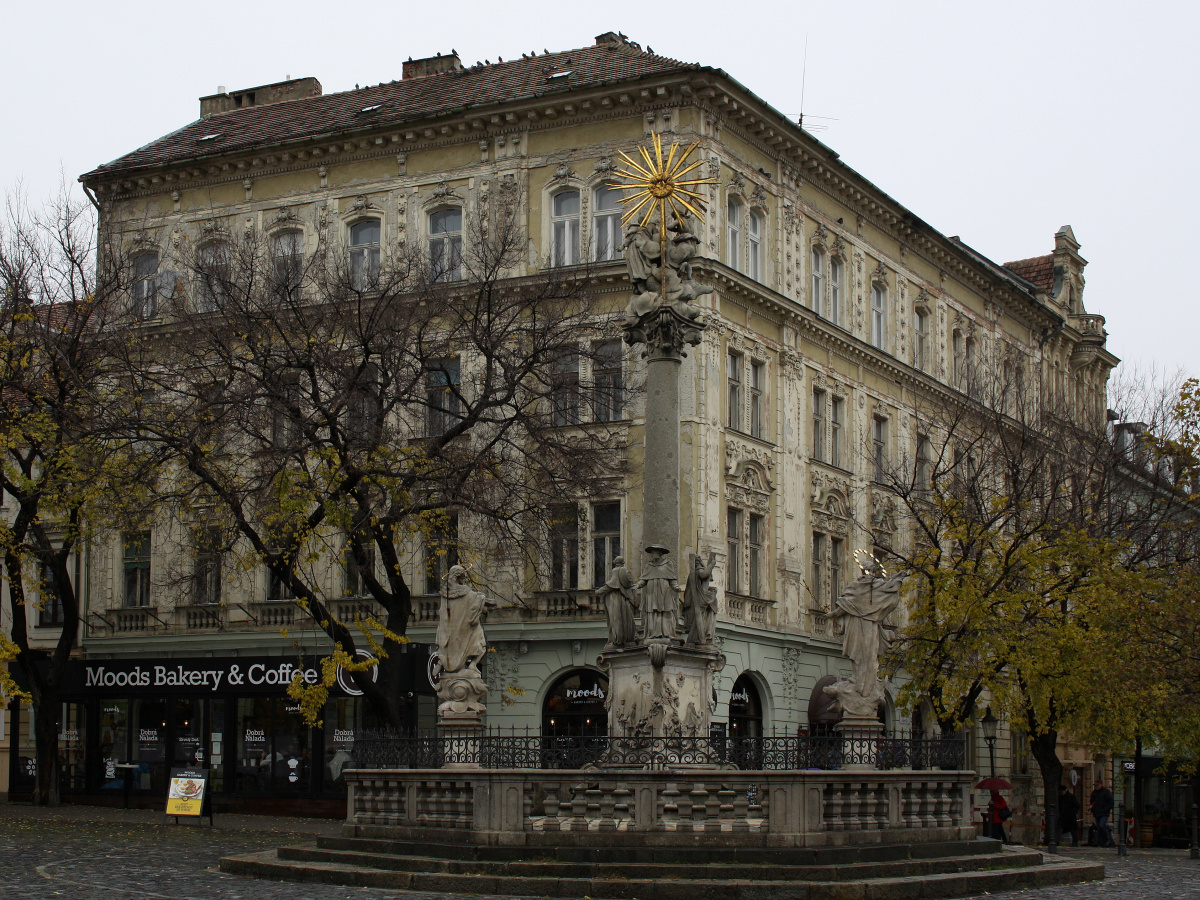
(989, 724)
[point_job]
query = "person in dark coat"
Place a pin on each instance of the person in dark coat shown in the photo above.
(1068, 815)
(1101, 805)
(1000, 812)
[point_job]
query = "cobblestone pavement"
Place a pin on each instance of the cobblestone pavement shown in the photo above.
(104, 854)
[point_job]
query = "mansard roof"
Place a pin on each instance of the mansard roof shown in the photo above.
(1037, 270)
(413, 99)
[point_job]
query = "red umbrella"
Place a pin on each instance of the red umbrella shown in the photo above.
(995, 783)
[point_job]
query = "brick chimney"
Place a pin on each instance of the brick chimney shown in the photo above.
(430, 65)
(264, 94)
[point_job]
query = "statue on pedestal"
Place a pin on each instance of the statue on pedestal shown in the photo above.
(620, 604)
(461, 644)
(700, 603)
(660, 594)
(860, 614)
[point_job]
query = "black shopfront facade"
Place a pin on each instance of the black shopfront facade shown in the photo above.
(139, 718)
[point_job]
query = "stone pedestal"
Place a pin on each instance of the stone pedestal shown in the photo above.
(860, 742)
(460, 733)
(660, 688)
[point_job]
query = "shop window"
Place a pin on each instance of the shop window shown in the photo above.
(606, 539)
(150, 744)
(113, 744)
(145, 285)
(574, 706)
(564, 549)
(72, 744)
(443, 407)
(441, 552)
(745, 723)
(564, 228)
(137, 569)
(364, 254)
(275, 752)
(445, 244)
(344, 720)
(606, 224)
(608, 383)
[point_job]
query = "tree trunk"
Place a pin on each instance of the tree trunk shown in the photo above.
(1044, 748)
(47, 784)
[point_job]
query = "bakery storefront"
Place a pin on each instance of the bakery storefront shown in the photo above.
(141, 718)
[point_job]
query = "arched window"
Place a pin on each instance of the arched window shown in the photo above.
(445, 244)
(877, 315)
(606, 224)
(745, 709)
(564, 228)
(364, 254)
(818, 265)
(733, 219)
(574, 705)
(754, 246)
(835, 290)
(212, 275)
(145, 285)
(287, 259)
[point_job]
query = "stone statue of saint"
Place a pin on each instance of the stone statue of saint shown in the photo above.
(660, 594)
(620, 604)
(700, 602)
(653, 285)
(461, 644)
(859, 614)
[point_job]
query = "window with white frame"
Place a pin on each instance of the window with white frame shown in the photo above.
(835, 290)
(756, 543)
(733, 538)
(606, 539)
(364, 254)
(818, 425)
(920, 337)
(818, 266)
(564, 548)
(836, 413)
(564, 228)
(747, 571)
(733, 233)
(879, 437)
(212, 276)
(445, 244)
(137, 569)
(754, 246)
(606, 224)
(442, 406)
(758, 403)
(564, 396)
(817, 587)
(206, 567)
(837, 554)
(608, 383)
(733, 378)
(145, 285)
(287, 261)
(956, 346)
(878, 298)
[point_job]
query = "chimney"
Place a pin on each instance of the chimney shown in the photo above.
(430, 65)
(263, 95)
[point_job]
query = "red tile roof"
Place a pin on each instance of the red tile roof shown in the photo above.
(398, 102)
(1038, 269)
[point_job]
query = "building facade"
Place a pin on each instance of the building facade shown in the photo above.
(834, 309)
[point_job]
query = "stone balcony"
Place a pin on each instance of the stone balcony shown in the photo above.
(750, 610)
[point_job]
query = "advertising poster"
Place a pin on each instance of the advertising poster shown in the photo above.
(185, 796)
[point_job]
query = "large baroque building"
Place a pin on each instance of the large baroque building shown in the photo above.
(834, 308)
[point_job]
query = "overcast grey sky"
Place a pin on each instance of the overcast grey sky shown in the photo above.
(998, 122)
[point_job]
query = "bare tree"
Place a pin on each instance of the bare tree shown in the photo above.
(332, 405)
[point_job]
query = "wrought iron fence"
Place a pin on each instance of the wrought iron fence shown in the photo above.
(495, 749)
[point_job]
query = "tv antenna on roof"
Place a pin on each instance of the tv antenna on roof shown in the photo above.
(803, 80)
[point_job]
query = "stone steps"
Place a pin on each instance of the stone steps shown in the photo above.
(780, 875)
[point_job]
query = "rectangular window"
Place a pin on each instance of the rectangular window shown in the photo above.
(445, 244)
(733, 375)
(754, 247)
(206, 570)
(288, 261)
(733, 217)
(564, 228)
(564, 549)
(285, 413)
(278, 589)
(137, 569)
(145, 286)
(442, 407)
(564, 398)
(879, 444)
(920, 339)
(817, 260)
(606, 224)
(733, 537)
(757, 403)
(441, 552)
(758, 571)
(922, 477)
(817, 588)
(353, 583)
(364, 254)
(835, 431)
(606, 540)
(608, 383)
(877, 316)
(818, 425)
(836, 556)
(835, 290)
(51, 611)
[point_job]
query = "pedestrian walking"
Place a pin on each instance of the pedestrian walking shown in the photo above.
(1000, 814)
(1101, 806)
(1068, 815)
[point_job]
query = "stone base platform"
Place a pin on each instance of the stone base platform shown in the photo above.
(865, 872)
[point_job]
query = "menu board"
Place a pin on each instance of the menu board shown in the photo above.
(185, 795)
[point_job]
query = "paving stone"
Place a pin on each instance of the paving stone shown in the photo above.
(103, 854)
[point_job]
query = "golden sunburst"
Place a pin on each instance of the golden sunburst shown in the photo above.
(660, 183)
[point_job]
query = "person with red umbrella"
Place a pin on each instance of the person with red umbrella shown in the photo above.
(998, 809)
